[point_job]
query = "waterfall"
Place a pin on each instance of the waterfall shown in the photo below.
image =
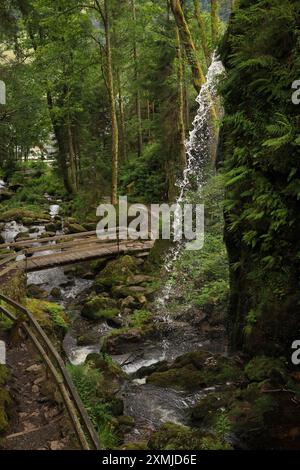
(198, 153)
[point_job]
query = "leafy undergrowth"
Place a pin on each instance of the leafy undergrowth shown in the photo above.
(89, 383)
(201, 277)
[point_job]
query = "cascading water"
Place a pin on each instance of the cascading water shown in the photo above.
(198, 153)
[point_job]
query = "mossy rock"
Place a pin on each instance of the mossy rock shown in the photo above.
(126, 421)
(252, 421)
(100, 308)
(76, 228)
(27, 221)
(117, 271)
(144, 371)
(19, 214)
(175, 437)
(22, 236)
(50, 316)
(196, 370)
(121, 340)
(137, 292)
(261, 368)
(206, 410)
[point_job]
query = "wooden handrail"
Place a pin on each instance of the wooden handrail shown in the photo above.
(69, 389)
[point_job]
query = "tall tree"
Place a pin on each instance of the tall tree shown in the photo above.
(214, 21)
(202, 28)
(105, 14)
(188, 43)
(136, 76)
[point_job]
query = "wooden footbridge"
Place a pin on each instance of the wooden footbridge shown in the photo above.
(43, 253)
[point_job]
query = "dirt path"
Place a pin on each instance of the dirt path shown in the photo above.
(38, 420)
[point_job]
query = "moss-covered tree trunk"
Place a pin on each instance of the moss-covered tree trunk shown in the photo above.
(214, 21)
(202, 29)
(181, 117)
(188, 43)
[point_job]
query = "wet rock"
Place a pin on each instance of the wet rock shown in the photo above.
(115, 322)
(1, 239)
(88, 275)
(37, 292)
(52, 227)
(197, 370)
(88, 338)
(126, 423)
(22, 236)
(69, 283)
(48, 234)
(117, 406)
(70, 271)
(76, 228)
(56, 293)
(148, 370)
(121, 341)
(205, 412)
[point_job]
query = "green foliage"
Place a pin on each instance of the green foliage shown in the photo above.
(144, 179)
(202, 276)
(88, 382)
(260, 157)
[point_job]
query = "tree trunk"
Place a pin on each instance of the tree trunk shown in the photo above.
(123, 147)
(114, 121)
(189, 45)
(60, 136)
(181, 117)
(136, 76)
(214, 21)
(201, 24)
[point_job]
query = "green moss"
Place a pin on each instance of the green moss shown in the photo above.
(100, 308)
(117, 271)
(193, 371)
(175, 437)
(50, 315)
(262, 367)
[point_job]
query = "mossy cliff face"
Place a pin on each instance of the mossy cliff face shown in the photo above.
(259, 152)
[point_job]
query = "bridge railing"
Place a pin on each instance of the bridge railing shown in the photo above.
(85, 431)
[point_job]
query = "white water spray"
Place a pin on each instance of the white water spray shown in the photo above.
(198, 153)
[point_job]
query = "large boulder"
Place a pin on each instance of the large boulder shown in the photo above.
(116, 272)
(100, 308)
(197, 370)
